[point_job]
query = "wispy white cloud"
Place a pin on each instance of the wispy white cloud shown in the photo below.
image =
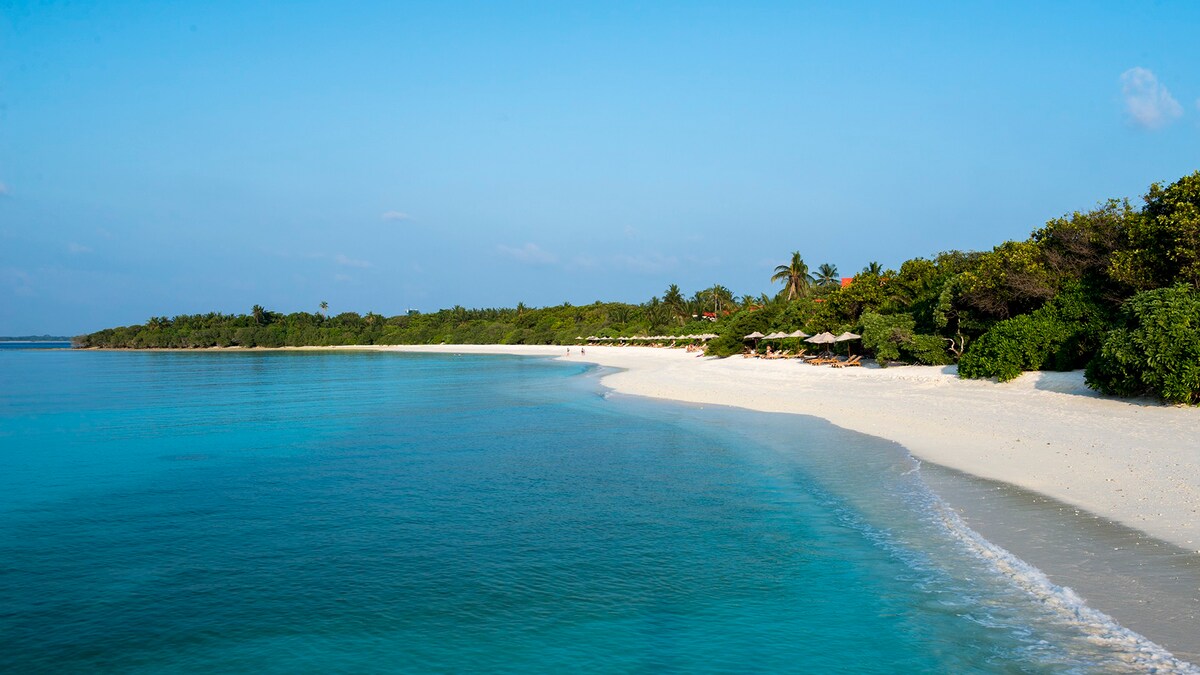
(18, 281)
(584, 262)
(394, 216)
(652, 263)
(342, 278)
(530, 254)
(342, 259)
(75, 248)
(1147, 101)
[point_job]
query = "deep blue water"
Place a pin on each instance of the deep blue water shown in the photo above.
(372, 512)
(34, 345)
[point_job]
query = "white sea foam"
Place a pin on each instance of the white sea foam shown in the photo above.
(1125, 646)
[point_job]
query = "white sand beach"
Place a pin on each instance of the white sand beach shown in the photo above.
(1133, 462)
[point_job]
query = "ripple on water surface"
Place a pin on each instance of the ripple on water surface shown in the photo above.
(387, 512)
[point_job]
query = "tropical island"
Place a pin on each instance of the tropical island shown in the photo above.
(1113, 290)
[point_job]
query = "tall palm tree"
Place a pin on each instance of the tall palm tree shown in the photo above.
(827, 275)
(718, 297)
(795, 276)
(258, 313)
(676, 303)
(324, 307)
(873, 269)
(655, 312)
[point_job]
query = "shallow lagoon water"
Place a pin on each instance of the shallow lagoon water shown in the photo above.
(372, 512)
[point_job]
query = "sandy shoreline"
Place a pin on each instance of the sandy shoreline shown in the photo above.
(1133, 462)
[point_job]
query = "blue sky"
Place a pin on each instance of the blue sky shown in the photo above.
(166, 158)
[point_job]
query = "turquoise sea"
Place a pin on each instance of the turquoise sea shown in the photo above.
(381, 512)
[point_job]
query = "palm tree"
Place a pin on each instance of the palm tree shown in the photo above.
(324, 307)
(719, 297)
(795, 276)
(619, 313)
(675, 302)
(827, 275)
(874, 269)
(655, 312)
(258, 313)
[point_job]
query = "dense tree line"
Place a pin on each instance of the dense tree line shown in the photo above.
(1113, 289)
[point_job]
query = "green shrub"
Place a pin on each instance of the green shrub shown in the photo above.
(1061, 335)
(891, 337)
(884, 334)
(1155, 349)
(929, 350)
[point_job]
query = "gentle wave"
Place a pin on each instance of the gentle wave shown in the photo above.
(1101, 629)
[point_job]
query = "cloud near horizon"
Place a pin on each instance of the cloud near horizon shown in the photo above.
(394, 216)
(653, 263)
(530, 254)
(342, 259)
(1147, 101)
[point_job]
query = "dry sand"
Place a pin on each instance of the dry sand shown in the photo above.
(1134, 462)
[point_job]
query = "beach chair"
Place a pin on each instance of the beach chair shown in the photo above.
(852, 361)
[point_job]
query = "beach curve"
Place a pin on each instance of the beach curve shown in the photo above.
(1134, 462)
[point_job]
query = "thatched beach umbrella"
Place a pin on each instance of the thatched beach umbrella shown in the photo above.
(822, 339)
(844, 337)
(756, 336)
(798, 334)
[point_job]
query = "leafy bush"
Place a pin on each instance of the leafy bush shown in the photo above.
(929, 350)
(891, 338)
(734, 327)
(1155, 350)
(884, 334)
(1061, 335)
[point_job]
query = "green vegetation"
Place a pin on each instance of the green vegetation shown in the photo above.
(1155, 348)
(1112, 289)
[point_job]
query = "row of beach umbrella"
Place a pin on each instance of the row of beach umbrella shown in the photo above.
(818, 339)
(702, 336)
